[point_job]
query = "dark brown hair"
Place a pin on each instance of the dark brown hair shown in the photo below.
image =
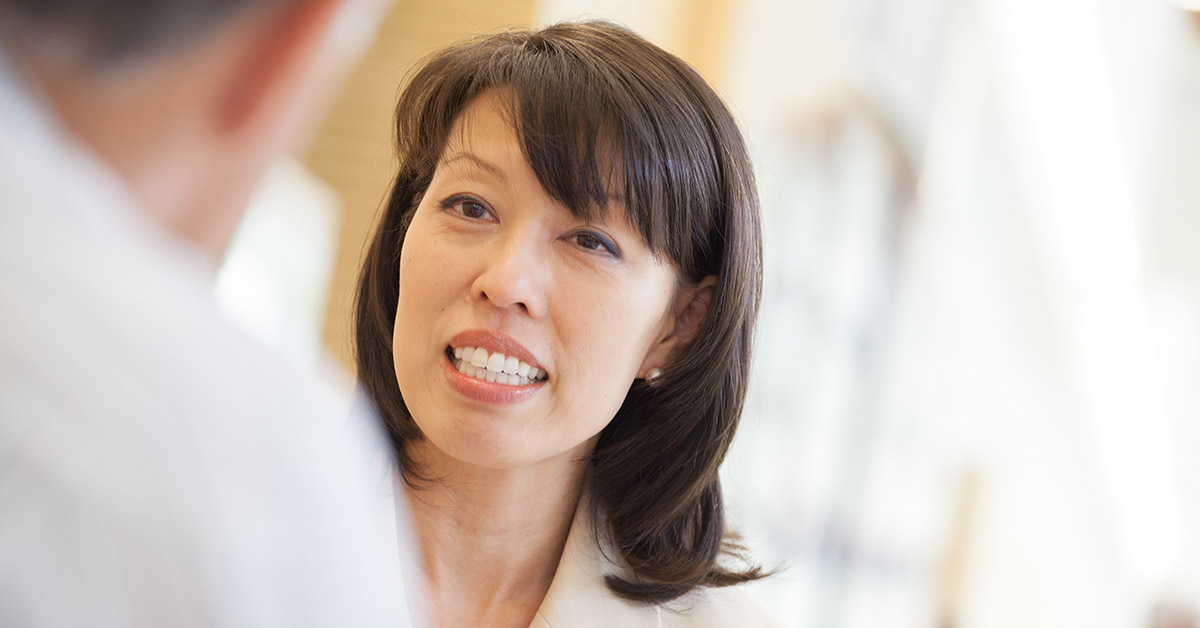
(593, 104)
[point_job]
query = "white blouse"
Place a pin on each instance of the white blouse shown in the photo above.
(579, 598)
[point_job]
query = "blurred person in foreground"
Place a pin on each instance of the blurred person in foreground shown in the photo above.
(157, 468)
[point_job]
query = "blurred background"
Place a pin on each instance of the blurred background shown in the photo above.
(977, 388)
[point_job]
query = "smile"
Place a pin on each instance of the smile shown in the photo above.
(494, 367)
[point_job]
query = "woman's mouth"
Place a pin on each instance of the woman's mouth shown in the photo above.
(494, 366)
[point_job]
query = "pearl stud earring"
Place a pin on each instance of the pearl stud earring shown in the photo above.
(653, 374)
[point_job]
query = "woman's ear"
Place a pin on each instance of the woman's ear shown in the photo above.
(688, 313)
(691, 306)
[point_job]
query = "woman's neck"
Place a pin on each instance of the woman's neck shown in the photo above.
(492, 539)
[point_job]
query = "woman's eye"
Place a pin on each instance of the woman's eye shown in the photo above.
(595, 242)
(468, 207)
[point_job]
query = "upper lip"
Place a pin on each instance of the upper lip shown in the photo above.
(494, 342)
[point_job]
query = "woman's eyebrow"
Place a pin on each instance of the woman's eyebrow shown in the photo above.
(476, 161)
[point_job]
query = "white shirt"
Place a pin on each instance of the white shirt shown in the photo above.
(157, 468)
(579, 598)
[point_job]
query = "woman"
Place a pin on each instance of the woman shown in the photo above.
(554, 319)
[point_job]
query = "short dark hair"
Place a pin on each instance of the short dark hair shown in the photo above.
(589, 101)
(109, 32)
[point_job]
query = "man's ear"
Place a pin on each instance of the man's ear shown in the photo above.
(688, 313)
(281, 48)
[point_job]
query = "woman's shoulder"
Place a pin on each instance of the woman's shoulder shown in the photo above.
(718, 607)
(578, 596)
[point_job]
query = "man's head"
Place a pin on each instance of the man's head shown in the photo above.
(188, 101)
(106, 33)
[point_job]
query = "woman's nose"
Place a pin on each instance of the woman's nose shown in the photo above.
(510, 278)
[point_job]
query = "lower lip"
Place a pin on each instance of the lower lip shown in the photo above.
(485, 391)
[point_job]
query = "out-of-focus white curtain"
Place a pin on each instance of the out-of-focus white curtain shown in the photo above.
(974, 400)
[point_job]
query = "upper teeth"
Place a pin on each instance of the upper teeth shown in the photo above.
(495, 367)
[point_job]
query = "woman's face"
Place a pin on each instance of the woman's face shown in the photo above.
(562, 315)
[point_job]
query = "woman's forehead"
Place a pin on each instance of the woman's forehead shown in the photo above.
(484, 140)
(482, 137)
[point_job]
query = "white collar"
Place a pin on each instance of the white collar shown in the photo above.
(34, 146)
(578, 596)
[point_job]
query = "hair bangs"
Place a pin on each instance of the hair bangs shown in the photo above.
(592, 142)
(578, 146)
(595, 135)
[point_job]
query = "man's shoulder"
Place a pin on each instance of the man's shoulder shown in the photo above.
(144, 435)
(82, 317)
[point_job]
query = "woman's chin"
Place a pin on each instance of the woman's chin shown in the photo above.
(494, 448)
